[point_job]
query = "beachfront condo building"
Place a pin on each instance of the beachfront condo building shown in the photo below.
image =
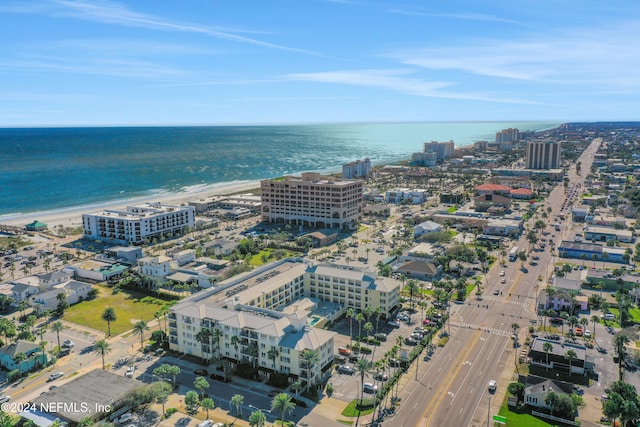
(271, 310)
(357, 169)
(312, 200)
(138, 224)
(443, 150)
(543, 155)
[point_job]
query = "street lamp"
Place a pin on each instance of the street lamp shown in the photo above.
(258, 409)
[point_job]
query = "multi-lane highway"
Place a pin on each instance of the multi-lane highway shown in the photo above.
(452, 388)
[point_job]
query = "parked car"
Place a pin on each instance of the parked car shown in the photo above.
(344, 351)
(4, 399)
(394, 323)
(130, 371)
(68, 344)
(124, 418)
(370, 388)
(380, 376)
(202, 372)
(206, 423)
(346, 369)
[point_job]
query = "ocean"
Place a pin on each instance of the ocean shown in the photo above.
(43, 169)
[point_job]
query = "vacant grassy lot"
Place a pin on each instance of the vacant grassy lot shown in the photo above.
(127, 305)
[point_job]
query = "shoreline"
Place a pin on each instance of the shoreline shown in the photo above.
(72, 216)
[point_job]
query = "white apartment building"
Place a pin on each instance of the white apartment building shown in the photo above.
(258, 332)
(138, 223)
(252, 307)
(312, 200)
(357, 169)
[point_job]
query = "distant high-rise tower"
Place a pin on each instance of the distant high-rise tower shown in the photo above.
(507, 135)
(543, 155)
(357, 169)
(443, 150)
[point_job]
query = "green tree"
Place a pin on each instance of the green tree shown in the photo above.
(165, 369)
(547, 348)
(570, 355)
(109, 315)
(283, 405)
(139, 329)
(102, 348)
(359, 319)
(201, 384)
(237, 400)
(351, 313)
(192, 400)
(207, 404)
(57, 327)
(619, 343)
(273, 355)
(311, 359)
(517, 390)
(257, 419)
(363, 367)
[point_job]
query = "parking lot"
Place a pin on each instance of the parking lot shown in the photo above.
(347, 387)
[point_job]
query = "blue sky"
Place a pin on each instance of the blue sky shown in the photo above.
(167, 62)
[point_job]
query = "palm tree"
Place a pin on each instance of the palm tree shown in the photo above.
(311, 359)
(257, 419)
(363, 366)
(595, 319)
(19, 358)
(102, 348)
(547, 348)
(139, 329)
(368, 327)
(234, 342)
(351, 313)
(584, 322)
(273, 355)
(360, 319)
(201, 384)
(619, 342)
(378, 313)
(57, 327)
(412, 287)
(204, 338)
(216, 335)
(237, 400)
(283, 404)
(109, 315)
(207, 404)
(570, 355)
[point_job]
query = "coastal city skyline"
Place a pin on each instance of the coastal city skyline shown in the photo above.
(75, 63)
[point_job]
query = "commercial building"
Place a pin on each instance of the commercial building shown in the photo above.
(137, 224)
(312, 200)
(543, 155)
(357, 169)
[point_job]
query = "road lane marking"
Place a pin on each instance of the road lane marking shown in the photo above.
(457, 365)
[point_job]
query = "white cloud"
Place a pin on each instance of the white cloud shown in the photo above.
(110, 12)
(397, 80)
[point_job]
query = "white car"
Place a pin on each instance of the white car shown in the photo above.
(55, 376)
(493, 385)
(130, 371)
(502, 273)
(124, 418)
(206, 423)
(68, 344)
(370, 388)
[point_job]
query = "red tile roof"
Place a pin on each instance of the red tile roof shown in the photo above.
(522, 191)
(492, 187)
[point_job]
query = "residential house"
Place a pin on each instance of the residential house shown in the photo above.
(34, 356)
(425, 228)
(156, 266)
(73, 290)
(536, 389)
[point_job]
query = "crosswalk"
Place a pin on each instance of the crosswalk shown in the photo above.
(526, 303)
(495, 331)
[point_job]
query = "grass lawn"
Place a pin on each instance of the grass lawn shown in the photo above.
(520, 420)
(351, 411)
(451, 209)
(635, 314)
(127, 305)
(256, 260)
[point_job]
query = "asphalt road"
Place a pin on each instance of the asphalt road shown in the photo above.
(453, 387)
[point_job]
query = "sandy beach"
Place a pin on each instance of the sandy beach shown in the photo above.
(72, 216)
